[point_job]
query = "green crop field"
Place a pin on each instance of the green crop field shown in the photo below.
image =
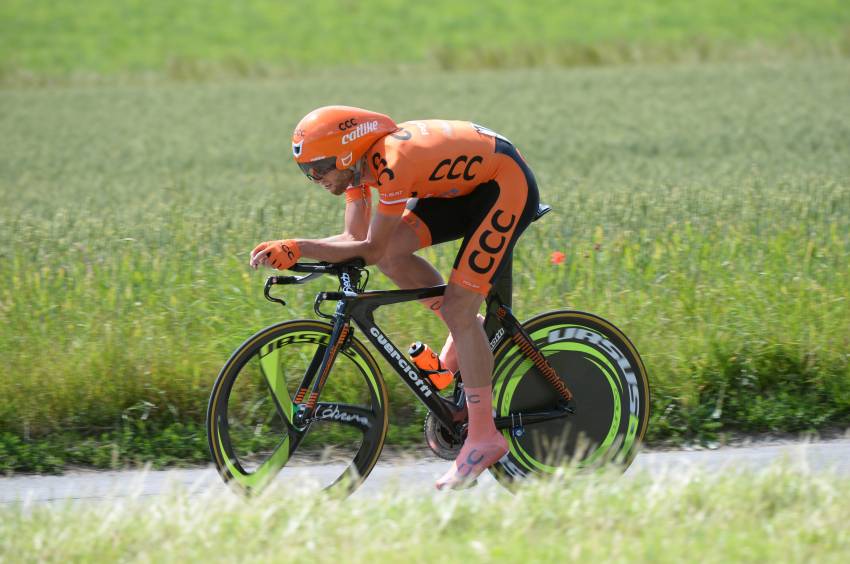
(705, 209)
(697, 155)
(779, 515)
(198, 38)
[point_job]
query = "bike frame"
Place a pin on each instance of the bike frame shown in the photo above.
(499, 322)
(360, 307)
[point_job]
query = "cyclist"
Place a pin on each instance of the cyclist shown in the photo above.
(437, 181)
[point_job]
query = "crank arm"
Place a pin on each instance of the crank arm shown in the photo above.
(530, 417)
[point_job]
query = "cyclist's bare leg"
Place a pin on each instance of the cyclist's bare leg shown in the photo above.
(405, 268)
(484, 445)
(448, 355)
(408, 270)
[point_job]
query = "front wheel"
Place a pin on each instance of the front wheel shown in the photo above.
(610, 390)
(250, 414)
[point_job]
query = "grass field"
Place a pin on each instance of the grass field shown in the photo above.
(778, 515)
(703, 208)
(200, 38)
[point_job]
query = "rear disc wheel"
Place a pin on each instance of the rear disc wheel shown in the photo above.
(608, 380)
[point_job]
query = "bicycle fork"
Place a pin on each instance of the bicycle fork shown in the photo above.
(320, 365)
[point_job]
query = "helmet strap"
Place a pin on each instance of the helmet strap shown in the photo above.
(358, 169)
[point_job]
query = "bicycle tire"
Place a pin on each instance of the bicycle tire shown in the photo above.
(249, 416)
(608, 379)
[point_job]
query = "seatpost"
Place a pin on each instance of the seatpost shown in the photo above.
(502, 291)
(503, 286)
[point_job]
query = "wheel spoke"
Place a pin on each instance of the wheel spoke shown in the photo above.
(265, 472)
(270, 367)
(357, 416)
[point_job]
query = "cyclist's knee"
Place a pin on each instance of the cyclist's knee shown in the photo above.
(460, 309)
(392, 264)
(458, 319)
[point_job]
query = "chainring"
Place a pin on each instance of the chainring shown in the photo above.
(439, 438)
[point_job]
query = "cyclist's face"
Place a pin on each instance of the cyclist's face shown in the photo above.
(335, 181)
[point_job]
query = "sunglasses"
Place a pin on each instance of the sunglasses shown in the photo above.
(316, 170)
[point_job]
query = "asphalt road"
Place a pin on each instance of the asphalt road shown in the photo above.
(412, 474)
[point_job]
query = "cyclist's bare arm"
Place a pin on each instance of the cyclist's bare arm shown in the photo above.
(357, 214)
(370, 249)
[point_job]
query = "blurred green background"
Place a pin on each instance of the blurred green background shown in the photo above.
(697, 155)
(195, 38)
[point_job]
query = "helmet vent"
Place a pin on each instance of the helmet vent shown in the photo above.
(296, 148)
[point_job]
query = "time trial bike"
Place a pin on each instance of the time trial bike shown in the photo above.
(568, 388)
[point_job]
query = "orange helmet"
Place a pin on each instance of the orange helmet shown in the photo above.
(336, 137)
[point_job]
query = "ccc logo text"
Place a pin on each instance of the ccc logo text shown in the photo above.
(453, 169)
(347, 124)
(381, 167)
(491, 242)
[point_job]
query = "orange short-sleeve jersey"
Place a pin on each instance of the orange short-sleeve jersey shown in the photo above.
(431, 159)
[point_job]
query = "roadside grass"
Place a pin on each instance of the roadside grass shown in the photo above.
(704, 209)
(200, 39)
(775, 515)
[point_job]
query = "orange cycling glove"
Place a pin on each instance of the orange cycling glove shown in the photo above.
(279, 254)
